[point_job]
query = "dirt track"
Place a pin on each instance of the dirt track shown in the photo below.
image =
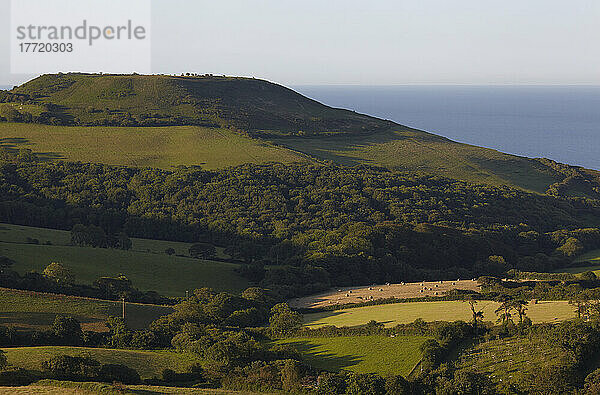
(431, 289)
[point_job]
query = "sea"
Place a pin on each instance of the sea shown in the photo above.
(556, 122)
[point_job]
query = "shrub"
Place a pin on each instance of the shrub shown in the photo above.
(66, 367)
(331, 383)
(67, 330)
(365, 384)
(119, 373)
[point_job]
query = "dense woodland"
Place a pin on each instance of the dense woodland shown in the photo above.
(300, 229)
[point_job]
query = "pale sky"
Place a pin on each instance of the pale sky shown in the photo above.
(377, 42)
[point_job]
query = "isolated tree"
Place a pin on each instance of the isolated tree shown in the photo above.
(477, 315)
(79, 235)
(503, 311)
(519, 307)
(67, 330)
(170, 251)
(59, 273)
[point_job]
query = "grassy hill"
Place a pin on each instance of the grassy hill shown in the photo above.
(404, 313)
(146, 264)
(35, 310)
(243, 120)
(244, 103)
(361, 354)
(416, 151)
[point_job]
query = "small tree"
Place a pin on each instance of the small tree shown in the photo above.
(503, 311)
(5, 263)
(59, 273)
(283, 319)
(580, 301)
(79, 235)
(3, 360)
(519, 307)
(170, 251)
(202, 250)
(477, 315)
(67, 330)
(123, 241)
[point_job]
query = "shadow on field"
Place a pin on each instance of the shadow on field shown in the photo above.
(13, 144)
(28, 321)
(314, 318)
(324, 360)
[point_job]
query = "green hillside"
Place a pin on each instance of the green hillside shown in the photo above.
(225, 121)
(243, 103)
(416, 151)
(161, 147)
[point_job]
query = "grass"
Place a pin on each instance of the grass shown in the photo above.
(362, 354)
(591, 256)
(161, 147)
(211, 148)
(416, 151)
(513, 360)
(403, 313)
(146, 264)
(590, 262)
(55, 387)
(167, 275)
(35, 310)
(148, 363)
(19, 234)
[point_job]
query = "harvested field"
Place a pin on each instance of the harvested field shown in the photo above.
(399, 291)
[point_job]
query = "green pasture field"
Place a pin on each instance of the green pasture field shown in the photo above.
(148, 363)
(35, 310)
(403, 313)
(19, 234)
(167, 275)
(362, 354)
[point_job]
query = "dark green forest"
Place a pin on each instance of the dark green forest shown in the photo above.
(301, 229)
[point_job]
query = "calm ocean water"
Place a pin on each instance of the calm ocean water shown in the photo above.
(557, 122)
